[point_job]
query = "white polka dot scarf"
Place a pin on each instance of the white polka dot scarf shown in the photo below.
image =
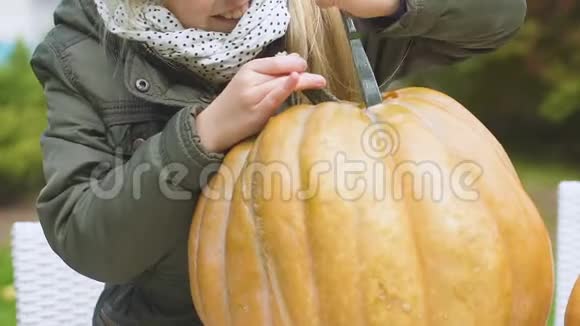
(215, 56)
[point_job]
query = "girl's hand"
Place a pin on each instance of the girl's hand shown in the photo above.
(254, 94)
(363, 8)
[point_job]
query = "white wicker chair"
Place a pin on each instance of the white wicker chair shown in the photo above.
(50, 293)
(568, 245)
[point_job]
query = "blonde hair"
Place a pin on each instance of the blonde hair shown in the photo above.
(318, 35)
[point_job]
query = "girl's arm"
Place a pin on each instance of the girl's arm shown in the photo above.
(112, 239)
(436, 32)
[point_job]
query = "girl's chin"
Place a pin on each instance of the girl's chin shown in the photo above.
(222, 24)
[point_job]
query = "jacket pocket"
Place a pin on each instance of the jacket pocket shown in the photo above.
(129, 128)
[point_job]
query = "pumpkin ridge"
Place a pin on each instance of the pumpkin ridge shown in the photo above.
(504, 251)
(241, 222)
(483, 138)
(482, 132)
(356, 227)
(454, 156)
(270, 271)
(371, 119)
(410, 209)
(489, 200)
(227, 216)
(287, 244)
(411, 102)
(207, 249)
(325, 217)
(194, 243)
(307, 230)
(534, 220)
(198, 281)
(419, 207)
(464, 117)
(247, 202)
(523, 207)
(497, 159)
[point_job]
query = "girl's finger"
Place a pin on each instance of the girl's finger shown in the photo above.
(310, 81)
(280, 90)
(278, 65)
(305, 81)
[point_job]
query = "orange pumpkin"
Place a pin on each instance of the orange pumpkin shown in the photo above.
(406, 213)
(573, 309)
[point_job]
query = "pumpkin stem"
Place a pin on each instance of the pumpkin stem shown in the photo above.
(390, 95)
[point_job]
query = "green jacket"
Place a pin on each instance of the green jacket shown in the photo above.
(118, 116)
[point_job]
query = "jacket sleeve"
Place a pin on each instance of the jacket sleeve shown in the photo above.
(440, 32)
(95, 215)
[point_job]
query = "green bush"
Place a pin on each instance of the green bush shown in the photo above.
(18, 85)
(20, 162)
(22, 120)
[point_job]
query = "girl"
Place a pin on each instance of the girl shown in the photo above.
(145, 97)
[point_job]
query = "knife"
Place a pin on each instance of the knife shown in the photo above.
(364, 72)
(368, 84)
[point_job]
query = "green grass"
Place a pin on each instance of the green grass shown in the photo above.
(536, 173)
(7, 306)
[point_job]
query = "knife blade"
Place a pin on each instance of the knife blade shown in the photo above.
(371, 92)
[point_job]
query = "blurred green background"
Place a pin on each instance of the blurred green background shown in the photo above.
(527, 94)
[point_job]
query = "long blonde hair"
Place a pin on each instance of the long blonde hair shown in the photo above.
(318, 35)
